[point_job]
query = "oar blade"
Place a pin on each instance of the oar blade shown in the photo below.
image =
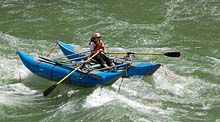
(172, 54)
(49, 90)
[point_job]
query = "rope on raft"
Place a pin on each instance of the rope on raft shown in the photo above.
(119, 88)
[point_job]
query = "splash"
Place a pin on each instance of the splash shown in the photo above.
(99, 97)
(12, 69)
(15, 94)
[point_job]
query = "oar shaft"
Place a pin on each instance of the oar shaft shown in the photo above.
(76, 68)
(148, 53)
(51, 88)
(138, 53)
(67, 76)
(51, 50)
(169, 54)
(117, 52)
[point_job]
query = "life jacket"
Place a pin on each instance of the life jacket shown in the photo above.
(97, 46)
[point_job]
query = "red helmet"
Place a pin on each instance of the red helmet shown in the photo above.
(96, 35)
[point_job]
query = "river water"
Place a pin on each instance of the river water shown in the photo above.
(185, 89)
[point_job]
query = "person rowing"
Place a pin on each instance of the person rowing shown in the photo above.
(96, 44)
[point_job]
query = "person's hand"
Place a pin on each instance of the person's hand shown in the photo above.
(105, 52)
(100, 50)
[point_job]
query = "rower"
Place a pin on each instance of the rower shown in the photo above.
(96, 44)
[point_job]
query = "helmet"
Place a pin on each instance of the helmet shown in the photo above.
(96, 35)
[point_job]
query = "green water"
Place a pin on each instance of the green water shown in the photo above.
(186, 89)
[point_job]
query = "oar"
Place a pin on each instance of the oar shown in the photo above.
(51, 50)
(169, 54)
(49, 60)
(51, 88)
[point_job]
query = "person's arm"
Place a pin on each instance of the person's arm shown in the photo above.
(105, 50)
(92, 47)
